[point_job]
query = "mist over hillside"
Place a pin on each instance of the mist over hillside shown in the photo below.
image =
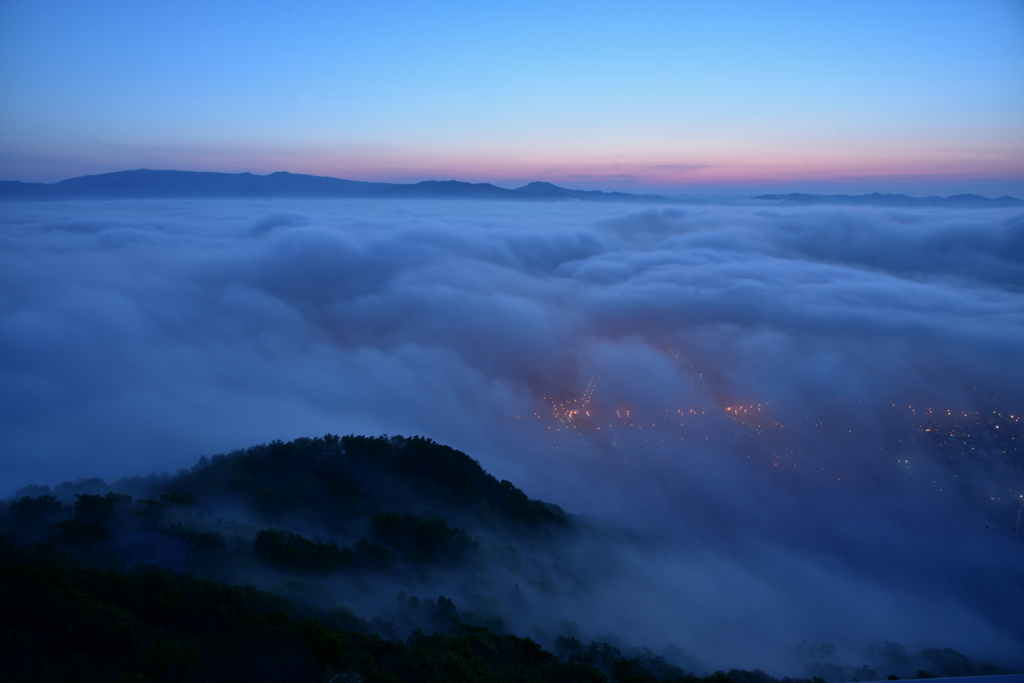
(791, 424)
(284, 519)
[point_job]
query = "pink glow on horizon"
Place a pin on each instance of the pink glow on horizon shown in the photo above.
(637, 176)
(871, 164)
(666, 172)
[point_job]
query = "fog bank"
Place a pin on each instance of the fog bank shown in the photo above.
(805, 421)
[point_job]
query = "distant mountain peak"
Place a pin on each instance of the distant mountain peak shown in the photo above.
(540, 186)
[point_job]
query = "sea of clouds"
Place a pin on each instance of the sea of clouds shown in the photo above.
(136, 336)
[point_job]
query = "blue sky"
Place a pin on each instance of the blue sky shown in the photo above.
(909, 96)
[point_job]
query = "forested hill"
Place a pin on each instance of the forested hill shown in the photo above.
(337, 479)
(302, 561)
(387, 504)
(246, 567)
(398, 513)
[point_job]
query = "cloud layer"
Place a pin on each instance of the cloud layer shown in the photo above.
(741, 391)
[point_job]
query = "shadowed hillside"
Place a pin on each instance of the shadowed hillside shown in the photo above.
(283, 562)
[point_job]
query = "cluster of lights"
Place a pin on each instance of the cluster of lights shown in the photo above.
(583, 416)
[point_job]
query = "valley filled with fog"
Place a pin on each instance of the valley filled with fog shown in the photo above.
(798, 428)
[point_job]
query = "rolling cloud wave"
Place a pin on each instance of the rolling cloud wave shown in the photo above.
(750, 394)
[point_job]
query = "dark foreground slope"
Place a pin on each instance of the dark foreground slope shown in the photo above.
(79, 603)
(340, 520)
(301, 561)
(66, 623)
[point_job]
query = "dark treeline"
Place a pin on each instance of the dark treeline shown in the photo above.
(292, 551)
(63, 622)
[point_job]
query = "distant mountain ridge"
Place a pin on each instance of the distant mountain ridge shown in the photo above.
(895, 200)
(147, 184)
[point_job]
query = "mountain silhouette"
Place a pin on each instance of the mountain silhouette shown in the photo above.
(148, 184)
(894, 200)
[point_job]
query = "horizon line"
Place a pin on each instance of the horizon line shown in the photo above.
(739, 189)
